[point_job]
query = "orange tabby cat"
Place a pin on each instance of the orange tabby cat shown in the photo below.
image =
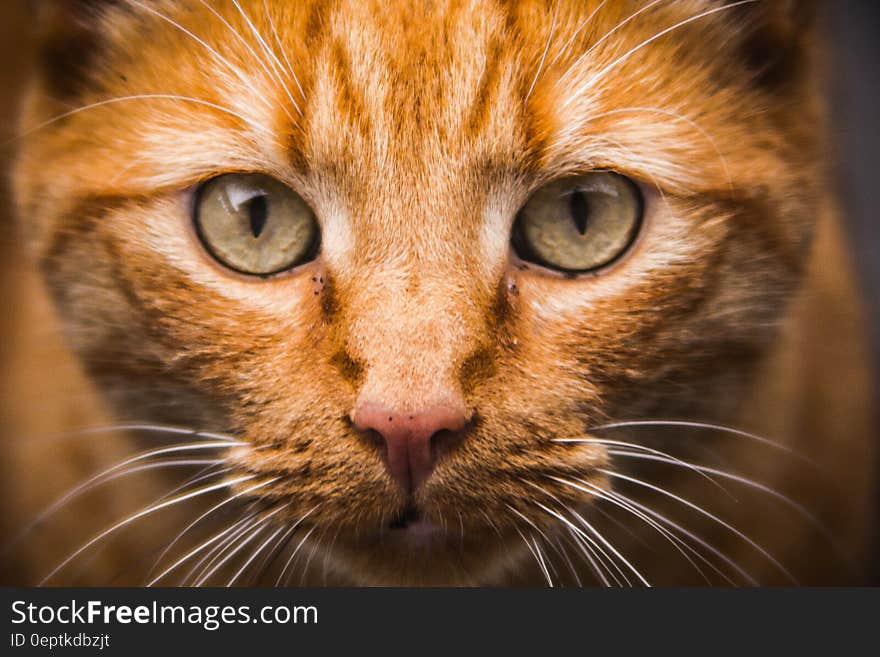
(460, 292)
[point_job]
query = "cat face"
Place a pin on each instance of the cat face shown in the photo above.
(405, 252)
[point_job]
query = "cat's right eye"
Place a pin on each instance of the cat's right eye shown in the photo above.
(255, 224)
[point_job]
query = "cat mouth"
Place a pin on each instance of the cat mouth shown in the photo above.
(407, 518)
(413, 527)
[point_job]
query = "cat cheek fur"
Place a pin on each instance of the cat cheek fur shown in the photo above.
(415, 133)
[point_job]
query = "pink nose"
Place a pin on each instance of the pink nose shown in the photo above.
(411, 440)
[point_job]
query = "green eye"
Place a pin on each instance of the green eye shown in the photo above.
(579, 224)
(255, 224)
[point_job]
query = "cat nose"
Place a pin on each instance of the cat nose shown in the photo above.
(411, 441)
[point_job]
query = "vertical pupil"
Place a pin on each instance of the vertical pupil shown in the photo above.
(579, 208)
(257, 210)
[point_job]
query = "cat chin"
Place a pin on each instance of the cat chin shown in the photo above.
(426, 555)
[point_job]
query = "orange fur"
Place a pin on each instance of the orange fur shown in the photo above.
(416, 131)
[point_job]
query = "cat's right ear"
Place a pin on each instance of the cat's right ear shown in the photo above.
(777, 37)
(68, 41)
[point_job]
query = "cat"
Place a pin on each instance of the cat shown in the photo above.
(437, 293)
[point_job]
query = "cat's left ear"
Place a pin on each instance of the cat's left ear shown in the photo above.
(777, 37)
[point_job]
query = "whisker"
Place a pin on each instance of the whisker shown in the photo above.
(287, 565)
(692, 536)
(104, 476)
(606, 69)
(599, 493)
(256, 57)
(206, 473)
(136, 428)
(327, 554)
(609, 33)
(305, 569)
(595, 545)
(282, 49)
(709, 515)
(204, 515)
(220, 58)
(255, 554)
(150, 96)
(745, 481)
(598, 536)
(620, 443)
(290, 535)
(546, 50)
(538, 560)
(559, 548)
(140, 514)
(574, 34)
(707, 426)
(200, 547)
(268, 51)
(587, 552)
(677, 542)
(620, 501)
(253, 530)
(547, 564)
(528, 521)
(491, 523)
(232, 533)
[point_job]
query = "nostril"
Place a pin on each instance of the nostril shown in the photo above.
(373, 437)
(444, 441)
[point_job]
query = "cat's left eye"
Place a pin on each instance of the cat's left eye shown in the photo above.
(579, 224)
(255, 224)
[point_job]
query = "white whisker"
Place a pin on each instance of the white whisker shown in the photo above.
(546, 50)
(745, 481)
(256, 57)
(587, 552)
(574, 34)
(140, 514)
(709, 515)
(609, 33)
(199, 548)
(703, 425)
(698, 540)
(612, 497)
(538, 560)
(220, 58)
(619, 60)
(136, 428)
(252, 531)
(273, 59)
(201, 517)
(559, 547)
(113, 473)
(254, 555)
(287, 565)
(232, 533)
(620, 443)
(282, 49)
(121, 99)
(595, 533)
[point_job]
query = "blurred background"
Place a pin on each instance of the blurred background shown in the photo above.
(854, 91)
(852, 26)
